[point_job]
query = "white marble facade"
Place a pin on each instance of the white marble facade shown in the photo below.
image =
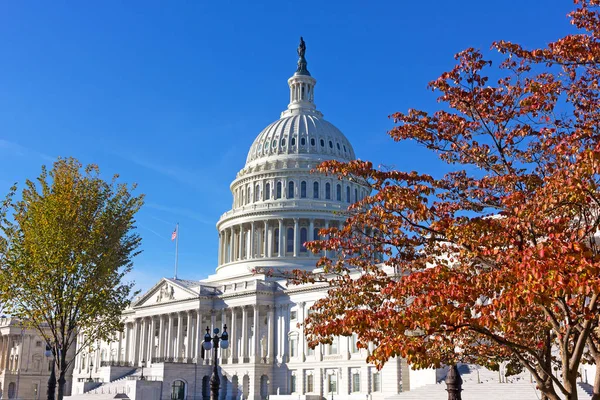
(278, 204)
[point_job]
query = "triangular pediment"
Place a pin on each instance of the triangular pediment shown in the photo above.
(168, 290)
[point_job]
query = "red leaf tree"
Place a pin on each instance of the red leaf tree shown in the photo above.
(497, 261)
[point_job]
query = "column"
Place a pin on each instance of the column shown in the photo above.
(241, 243)
(256, 333)
(213, 325)
(199, 336)
(296, 237)
(244, 335)
(134, 342)
(127, 342)
(179, 334)
(311, 236)
(286, 321)
(251, 253)
(267, 243)
(281, 244)
(230, 244)
(233, 336)
(143, 339)
(169, 338)
(120, 347)
(219, 251)
(270, 333)
(152, 340)
(223, 323)
(161, 337)
(188, 335)
(302, 344)
(279, 309)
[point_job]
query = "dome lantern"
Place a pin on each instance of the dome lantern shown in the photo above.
(302, 87)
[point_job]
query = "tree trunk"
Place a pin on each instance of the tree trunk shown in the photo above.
(61, 386)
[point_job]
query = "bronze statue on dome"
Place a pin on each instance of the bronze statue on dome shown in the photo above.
(301, 60)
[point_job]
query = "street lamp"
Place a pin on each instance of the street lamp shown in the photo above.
(90, 379)
(52, 380)
(333, 373)
(142, 377)
(207, 345)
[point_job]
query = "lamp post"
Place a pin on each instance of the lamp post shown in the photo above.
(454, 383)
(142, 377)
(208, 344)
(52, 379)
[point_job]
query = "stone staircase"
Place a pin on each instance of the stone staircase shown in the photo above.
(116, 389)
(482, 384)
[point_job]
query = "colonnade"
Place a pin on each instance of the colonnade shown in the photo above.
(5, 351)
(283, 237)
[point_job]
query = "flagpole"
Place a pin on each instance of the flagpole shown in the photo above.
(176, 247)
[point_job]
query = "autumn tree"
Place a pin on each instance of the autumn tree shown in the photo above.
(498, 260)
(65, 250)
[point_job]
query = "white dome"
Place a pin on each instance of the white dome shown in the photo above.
(301, 134)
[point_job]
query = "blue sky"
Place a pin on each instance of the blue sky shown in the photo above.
(170, 95)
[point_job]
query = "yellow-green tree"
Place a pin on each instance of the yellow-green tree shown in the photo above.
(65, 248)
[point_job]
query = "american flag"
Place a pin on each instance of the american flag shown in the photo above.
(174, 234)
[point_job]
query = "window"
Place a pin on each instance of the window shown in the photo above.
(344, 148)
(310, 351)
(303, 239)
(38, 343)
(310, 383)
(274, 143)
(332, 381)
(353, 343)
(376, 381)
(293, 383)
(290, 190)
(338, 192)
(278, 191)
(293, 346)
(290, 240)
(302, 141)
(347, 194)
(316, 190)
(332, 348)
(316, 233)
(303, 189)
(35, 390)
(283, 142)
(276, 241)
(293, 314)
(328, 191)
(338, 146)
(257, 193)
(178, 390)
(355, 195)
(330, 144)
(293, 141)
(312, 141)
(355, 381)
(267, 191)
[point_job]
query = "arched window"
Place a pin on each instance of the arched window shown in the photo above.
(322, 143)
(290, 190)
(316, 190)
(293, 141)
(312, 141)
(178, 390)
(338, 192)
(234, 387)
(267, 191)
(278, 191)
(303, 189)
(355, 195)
(328, 191)
(289, 240)
(347, 194)
(303, 239)
(276, 241)
(257, 193)
(302, 141)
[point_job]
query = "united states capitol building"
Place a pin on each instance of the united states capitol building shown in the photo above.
(278, 205)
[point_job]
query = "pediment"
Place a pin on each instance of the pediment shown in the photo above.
(167, 290)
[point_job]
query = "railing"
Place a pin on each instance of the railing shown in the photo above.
(116, 364)
(146, 378)
(97, 380)
(176, 360)
(286, 204)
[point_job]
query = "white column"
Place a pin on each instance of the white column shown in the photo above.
(134, 342)
(296, 237)
(188, 335)
(302, 344)
(161, 337)
(127, 343)
(152, 340)
(233, 336)
(281, 244)
(241, 243)
(270, 333)
(256, 333)
(311, 236)
(199, 336)
(251, 252)
(244, 335)
(170, 336)
(280, 333)
(230, 244)
(179, 335)
(223, 323)
(267, 243)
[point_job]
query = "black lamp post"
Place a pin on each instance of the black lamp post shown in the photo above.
(90, 379)
(454, 384)
(207, 345)
(142, 377)
(52, 380)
